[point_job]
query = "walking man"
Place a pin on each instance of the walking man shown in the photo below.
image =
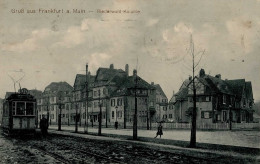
(44, 126)
(159, 131)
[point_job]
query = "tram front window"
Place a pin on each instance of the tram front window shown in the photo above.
(29, 108)
(20, 108)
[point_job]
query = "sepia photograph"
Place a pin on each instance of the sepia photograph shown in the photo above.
(129, 81)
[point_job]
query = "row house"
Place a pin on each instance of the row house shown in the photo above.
(219, 100)
(111, 92)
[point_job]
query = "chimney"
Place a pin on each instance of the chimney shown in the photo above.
(152, 83)
(127, 69)
(173, 92)
(87, 72)
(218, 76)
(134, 72)
(202, 72)
(190, 78)
(111, 66)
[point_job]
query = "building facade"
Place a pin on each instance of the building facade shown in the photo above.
(217, 100)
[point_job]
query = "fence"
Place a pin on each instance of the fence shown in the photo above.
(174, 125)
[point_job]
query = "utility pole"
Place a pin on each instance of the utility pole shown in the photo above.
(60, 106)
(106, 113)
(100, 116)
(230, 118)
(86, 105)
(135, 114)
(76, 118)
(147, 114)
(48, 112)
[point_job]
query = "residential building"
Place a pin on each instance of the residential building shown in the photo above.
(161, 104)
(219, 100)
(111, 91)
(54, 100)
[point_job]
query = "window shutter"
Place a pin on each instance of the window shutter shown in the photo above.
(202, 114)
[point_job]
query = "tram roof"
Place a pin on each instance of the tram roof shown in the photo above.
(19, 96)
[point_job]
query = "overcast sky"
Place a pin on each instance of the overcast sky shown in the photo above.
(55, 47)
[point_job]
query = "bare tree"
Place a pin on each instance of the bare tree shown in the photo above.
(195, 63)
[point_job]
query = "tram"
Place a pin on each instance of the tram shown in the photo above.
(19, 114)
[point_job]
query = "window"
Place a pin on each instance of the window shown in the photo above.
(52, 116)
(29, 109)
(170, 115)
(244, 102)
(208, 98)
(151, 103)
(165, 116)
(206, 114)
(224, 116)
(89, 104)
(67, 106)
(218, 117)
(95, 93)
(119, 114)
(112, 102)
(113, 114)
(224, 99)
(104, 91)
(95, 104)
(67, 115)
(119, 102)
(20, 108)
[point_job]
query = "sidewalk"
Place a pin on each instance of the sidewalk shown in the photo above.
(250, 139)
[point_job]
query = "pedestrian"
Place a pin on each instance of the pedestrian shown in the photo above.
(159, 131)
(116, 124)
(44, 126)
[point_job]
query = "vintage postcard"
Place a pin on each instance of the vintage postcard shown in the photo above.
(127, 81)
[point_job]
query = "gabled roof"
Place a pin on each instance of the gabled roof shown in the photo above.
(248, 90)
(129, 82)
(36, 93)
(182, 94)
(54, 87)
(159, 89)
(80, 81)
(105, 74)
(173, 99)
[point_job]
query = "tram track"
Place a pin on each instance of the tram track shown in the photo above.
(68, 149)
(162, 156)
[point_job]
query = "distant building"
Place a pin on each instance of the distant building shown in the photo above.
(161, 104)
(55, 99)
